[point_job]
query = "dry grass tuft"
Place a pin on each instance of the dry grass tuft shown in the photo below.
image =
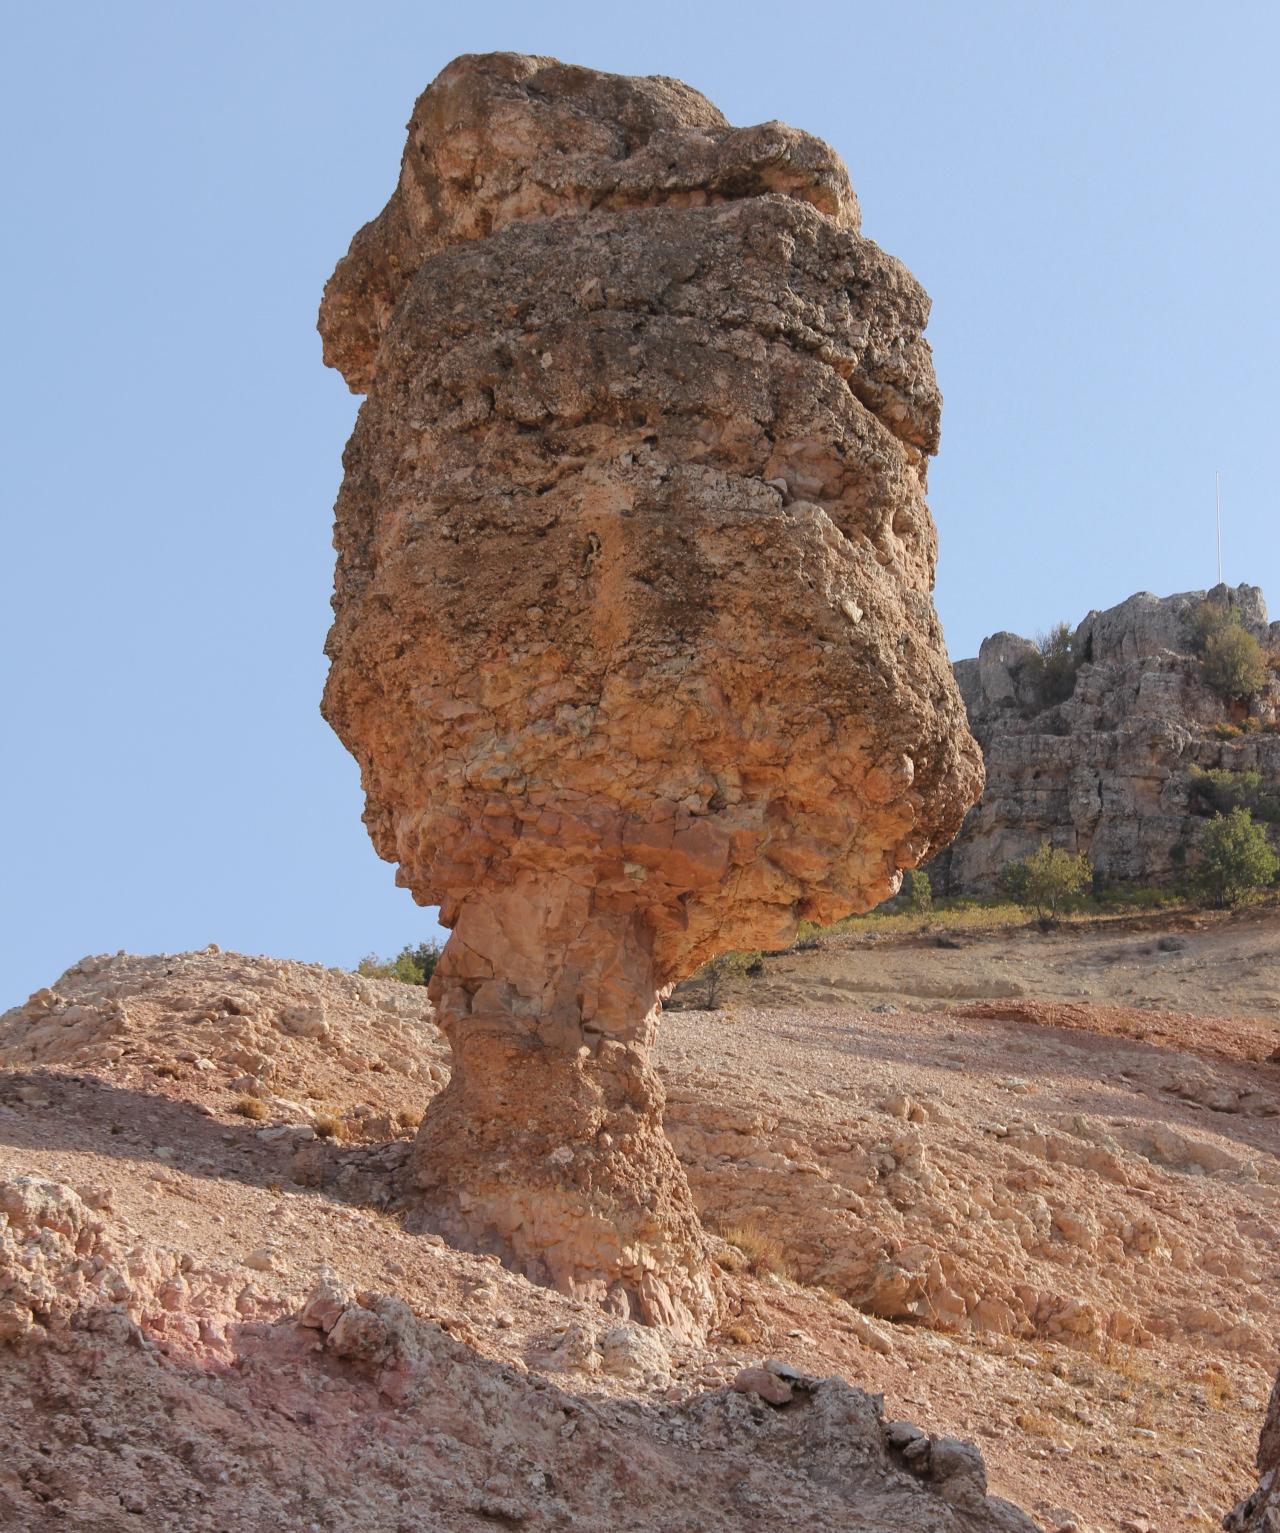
(1218, 1388)
(251, 1107)
(1122, 1357)
(329, 1126)
(1037, 1423)
(761, 1253)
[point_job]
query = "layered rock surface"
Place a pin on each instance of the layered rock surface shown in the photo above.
(158, 1330)
(633, 638)
(189, 1398)
(1112, 1204)
(158, 1367)
(1108, 772)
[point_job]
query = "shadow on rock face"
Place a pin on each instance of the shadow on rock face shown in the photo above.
(97, 1117)
(1259, 1512)
(137, 1387)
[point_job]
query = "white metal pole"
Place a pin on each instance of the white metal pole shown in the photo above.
(1217, 496)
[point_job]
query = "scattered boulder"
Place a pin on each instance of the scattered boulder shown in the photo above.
(763, 1382)
(379, 1335)
(632, 1351)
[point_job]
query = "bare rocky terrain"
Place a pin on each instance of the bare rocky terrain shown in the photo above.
(1044, 1223)
(1198, 963)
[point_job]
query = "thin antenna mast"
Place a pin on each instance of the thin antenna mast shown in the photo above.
(1217, 497)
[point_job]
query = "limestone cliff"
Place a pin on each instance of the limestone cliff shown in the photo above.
(1113, 769)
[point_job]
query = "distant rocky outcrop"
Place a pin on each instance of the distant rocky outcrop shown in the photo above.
(1112, 768)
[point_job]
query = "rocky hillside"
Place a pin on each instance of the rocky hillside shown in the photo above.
(1112, 765)
(1052, 1235)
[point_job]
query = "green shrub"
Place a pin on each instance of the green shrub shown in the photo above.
(919, 893)
(1236, 859)
(724, 966)
(1234, 664)
(808, 937)
(1233, 661)
(1118, 898)
(1220, 790)
(1048, 880)
(1210, 618)
(1054, 665)
(413, 965)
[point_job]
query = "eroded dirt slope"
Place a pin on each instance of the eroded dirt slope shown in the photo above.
(1056, 1240)
(1208, 964)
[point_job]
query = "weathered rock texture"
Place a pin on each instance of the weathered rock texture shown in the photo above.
(1109, 772)
(1260, 1511)
(141, 1389)
(1123, 1183)
(633, 638)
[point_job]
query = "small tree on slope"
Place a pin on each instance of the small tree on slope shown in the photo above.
(1234, 663)
(920, 894)
(1047, 879)
(1236, 858)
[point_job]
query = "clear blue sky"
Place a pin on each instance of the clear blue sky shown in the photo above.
(1087, 190)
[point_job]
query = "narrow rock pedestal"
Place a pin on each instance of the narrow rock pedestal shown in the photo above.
(547, 1147)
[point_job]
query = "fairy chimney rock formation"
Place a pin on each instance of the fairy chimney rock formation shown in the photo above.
(633, 638)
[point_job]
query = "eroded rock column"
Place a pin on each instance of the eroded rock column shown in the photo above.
(547, 1146)
(633, 633)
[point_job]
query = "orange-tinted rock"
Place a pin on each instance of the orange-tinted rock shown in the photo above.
(633, 636)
